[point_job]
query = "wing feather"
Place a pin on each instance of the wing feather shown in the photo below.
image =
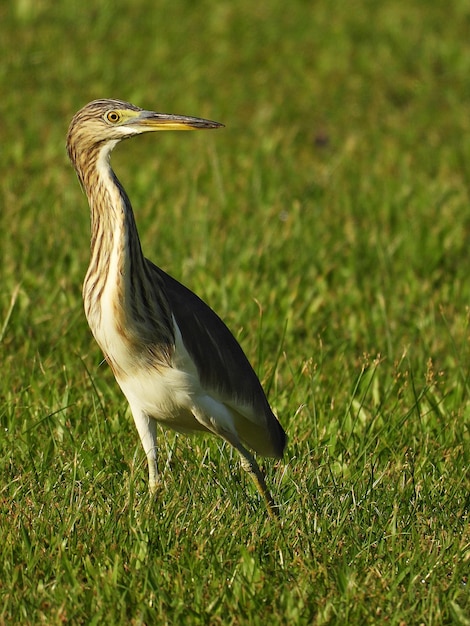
(221, 363)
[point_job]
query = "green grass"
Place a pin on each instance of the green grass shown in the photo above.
(329, 225)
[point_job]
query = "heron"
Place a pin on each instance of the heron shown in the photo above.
(175, 360)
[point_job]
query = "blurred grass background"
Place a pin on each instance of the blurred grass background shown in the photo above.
(328, 224)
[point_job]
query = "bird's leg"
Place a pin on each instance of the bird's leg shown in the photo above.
(147, 429)
(250, 465)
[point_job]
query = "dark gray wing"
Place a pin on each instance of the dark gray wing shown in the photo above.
(221, 362)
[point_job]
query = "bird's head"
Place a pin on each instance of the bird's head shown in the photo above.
(109, 121)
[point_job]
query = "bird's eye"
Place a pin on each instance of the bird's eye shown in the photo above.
(113, 117)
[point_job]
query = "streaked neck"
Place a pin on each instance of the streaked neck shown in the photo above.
(119, 289)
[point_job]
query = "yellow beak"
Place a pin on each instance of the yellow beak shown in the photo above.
(162, 121)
